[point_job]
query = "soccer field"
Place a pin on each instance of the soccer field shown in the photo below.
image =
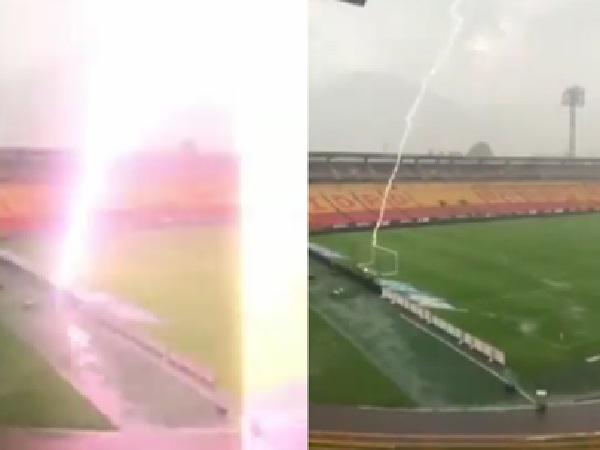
(331, 355)
(33, 395)
(530, 287)
(187, 277)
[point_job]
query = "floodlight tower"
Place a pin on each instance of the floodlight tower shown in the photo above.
(573, 97)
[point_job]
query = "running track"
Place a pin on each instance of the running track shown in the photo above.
(52, 440)
(353, 424)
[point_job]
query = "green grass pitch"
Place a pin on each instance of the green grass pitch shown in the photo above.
(187, 277)
(33, 395)
(329, 380)
(530, 287)
(363, 352)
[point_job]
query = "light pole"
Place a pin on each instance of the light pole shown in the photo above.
(573, 97)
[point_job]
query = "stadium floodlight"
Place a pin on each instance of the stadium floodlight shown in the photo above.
(573, 97)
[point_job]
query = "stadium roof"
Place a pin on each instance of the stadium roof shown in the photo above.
(458, 159)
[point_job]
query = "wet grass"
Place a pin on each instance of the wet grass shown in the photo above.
(33, 395)
(185, 276)
(529, 287)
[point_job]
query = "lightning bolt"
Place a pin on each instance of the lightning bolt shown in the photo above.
(408, 120)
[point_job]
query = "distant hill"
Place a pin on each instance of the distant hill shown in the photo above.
(364, 111)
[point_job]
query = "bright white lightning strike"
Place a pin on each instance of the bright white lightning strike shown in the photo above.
(408, 120)
(83, 205)
(146, 63)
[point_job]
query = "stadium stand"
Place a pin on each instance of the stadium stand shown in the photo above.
(144, 188)
(346, 190)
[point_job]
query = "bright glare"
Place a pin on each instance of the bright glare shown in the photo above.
(77, 336)
(479, 44)
(146, 62)
(150, 59)
(271, 134)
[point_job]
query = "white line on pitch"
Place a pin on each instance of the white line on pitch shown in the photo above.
(489, 370)
(384, 371)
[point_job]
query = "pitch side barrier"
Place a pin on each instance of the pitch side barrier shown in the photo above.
(433, 221)
(473, 343)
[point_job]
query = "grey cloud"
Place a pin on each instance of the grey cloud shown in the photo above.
(506, 72)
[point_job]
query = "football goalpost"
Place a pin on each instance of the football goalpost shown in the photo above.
(383, 261)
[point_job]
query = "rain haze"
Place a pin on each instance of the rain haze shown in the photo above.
(40, 72)
(502, 82)
(43, 59)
